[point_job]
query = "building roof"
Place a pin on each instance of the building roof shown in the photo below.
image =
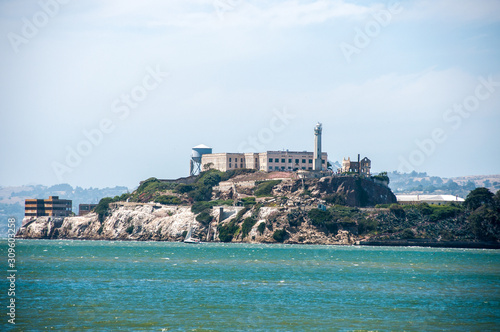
(201, 146)
(429, 198)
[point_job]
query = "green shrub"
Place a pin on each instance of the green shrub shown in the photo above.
(425, 209)
(201, 193)
(248, 201)
(168, 199)
(102, 208)
(182, 188)
(130, 229)
(240, 214)
(248, 223)
(265, 188)
(444, 212)
(153, 185)
(280, 235)
(261, 228)
(211, 179)
(204, 218)
(382, 177)
(397, 210)
(407, 234)
(319, 217)
(367, 226)
(199, 207)
(226, 232)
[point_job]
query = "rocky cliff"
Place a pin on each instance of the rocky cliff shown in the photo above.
(156, 222)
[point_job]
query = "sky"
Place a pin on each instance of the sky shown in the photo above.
(105, 93)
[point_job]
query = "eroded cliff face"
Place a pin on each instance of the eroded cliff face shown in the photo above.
(357, 191)
(156, 222)
(126, 221)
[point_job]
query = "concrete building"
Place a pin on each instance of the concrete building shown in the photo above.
(264, 161)
(429, 199)
(361, 166)
(270, 160)
(52, 207)
(84, 209)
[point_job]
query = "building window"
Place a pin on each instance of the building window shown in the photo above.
(276, 168)
(270, 168)
(229, 160)
(282, 168)
(310, 161)
(276, 160)
(310, 168)
(235, 160)
(296, 161)
(229, 165)
(290, 160)
(283, 160)
(270, 160)
(235, 165)
(303, 168)
(303, 161)
(241, 166)
(256, 161)
(322, 161)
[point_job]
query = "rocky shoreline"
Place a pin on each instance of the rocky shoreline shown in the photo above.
(156, 222)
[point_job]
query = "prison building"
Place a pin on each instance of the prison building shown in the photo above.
(84, 209)
(264, 161)
(362, 166)
(52, 207)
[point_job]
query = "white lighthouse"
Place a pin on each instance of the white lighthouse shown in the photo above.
(317, 148)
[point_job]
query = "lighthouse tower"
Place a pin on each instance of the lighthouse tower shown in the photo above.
(317, 147)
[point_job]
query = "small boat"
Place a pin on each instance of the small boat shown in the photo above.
(189, 238)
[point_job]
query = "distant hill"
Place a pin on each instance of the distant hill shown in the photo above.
(422, 183)
(12, 198)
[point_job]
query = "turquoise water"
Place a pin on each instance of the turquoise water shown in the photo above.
(109, 286)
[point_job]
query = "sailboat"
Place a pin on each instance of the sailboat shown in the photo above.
(189, 238)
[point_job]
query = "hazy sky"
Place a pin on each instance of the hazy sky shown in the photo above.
(105, 93)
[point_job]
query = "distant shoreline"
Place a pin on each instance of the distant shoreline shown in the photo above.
(432, 244)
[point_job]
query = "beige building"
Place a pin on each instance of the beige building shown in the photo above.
(264, 161)
(362, 166)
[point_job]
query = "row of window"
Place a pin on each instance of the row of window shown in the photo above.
(235, 165)
(277, 160)
(282, 168)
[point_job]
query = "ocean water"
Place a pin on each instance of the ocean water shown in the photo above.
(159, 286)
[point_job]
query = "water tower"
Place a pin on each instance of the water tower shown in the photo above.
(195, 162)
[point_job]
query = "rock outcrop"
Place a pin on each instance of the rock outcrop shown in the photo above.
(156, 222)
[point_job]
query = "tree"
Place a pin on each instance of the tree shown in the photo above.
(477, 197)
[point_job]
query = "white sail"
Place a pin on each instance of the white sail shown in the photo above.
(188, 235)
